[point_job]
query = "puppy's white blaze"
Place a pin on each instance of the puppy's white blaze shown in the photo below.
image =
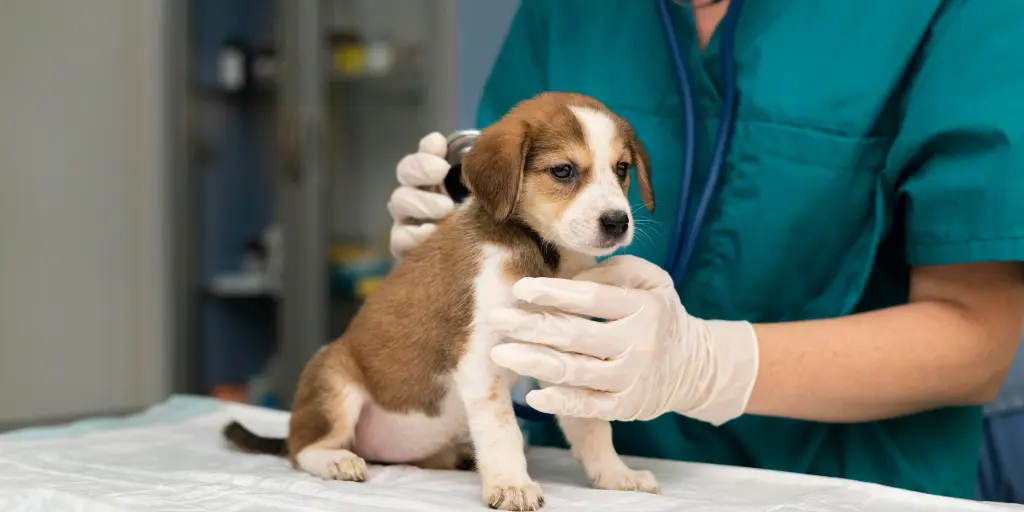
(580, 226)
(599, 129)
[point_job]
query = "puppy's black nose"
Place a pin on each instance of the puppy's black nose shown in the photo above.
(615, 223)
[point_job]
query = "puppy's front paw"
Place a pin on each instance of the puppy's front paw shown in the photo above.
(333, 465)
(348, 469)
(514, 497)
(627, 480)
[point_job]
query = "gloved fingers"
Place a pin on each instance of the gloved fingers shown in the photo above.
(405, 237)
(411, 203)
(422, 169)
(566, 333)
(583, 298)
(434, 144)
(629, 271)
(550, 365)
(577, 403)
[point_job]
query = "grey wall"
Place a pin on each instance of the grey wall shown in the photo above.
(482, 27)
(83, 317)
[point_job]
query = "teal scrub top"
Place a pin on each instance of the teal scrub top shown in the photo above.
(871, 136)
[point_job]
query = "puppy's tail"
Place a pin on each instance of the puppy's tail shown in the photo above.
(243, 439)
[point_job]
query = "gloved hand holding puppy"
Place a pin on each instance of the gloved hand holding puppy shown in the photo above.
(647, 357)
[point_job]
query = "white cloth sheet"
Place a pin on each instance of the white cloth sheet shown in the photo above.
(171, 458)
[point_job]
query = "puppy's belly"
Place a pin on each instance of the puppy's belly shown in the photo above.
(388, 437)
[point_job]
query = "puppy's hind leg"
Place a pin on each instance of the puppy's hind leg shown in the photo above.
(458, 456)
(322, 432)
(591, 443)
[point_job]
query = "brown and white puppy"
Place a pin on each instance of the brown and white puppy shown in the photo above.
(412, 377)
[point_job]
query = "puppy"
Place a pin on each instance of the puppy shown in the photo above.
(412, 377)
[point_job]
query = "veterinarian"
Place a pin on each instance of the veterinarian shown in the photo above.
(855, 290)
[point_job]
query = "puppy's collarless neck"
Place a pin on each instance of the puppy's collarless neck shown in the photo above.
(514, 230)
(548, 251)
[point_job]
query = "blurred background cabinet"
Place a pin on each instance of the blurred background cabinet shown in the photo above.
(194, 191)
(298, 113)
(362, 81)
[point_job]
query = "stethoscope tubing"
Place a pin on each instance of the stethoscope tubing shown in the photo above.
(682, 249)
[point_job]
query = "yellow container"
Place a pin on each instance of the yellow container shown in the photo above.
(366, 286)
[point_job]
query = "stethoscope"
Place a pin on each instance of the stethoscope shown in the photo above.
(684, 237)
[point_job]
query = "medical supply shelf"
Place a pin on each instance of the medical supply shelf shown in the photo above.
(301, 111)
(235, 189)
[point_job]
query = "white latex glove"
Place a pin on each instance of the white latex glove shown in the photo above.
(420, 201)
(649, 356)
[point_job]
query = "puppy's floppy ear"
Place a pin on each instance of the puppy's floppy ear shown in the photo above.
(493, 170)
(642, 164)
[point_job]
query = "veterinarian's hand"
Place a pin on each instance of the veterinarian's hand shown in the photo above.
(649, 356)
(419, 202)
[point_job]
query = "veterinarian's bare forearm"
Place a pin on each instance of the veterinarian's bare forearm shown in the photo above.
(930, 353)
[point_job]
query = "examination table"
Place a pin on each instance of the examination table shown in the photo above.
(171, 458)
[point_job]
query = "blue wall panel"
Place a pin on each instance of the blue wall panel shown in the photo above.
(237, 197)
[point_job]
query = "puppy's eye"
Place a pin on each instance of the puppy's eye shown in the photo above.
(563, 172)
(622, 169)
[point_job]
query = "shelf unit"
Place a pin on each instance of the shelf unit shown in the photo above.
(298, 112)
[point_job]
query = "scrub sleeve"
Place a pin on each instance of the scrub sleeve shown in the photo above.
(962, 140)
